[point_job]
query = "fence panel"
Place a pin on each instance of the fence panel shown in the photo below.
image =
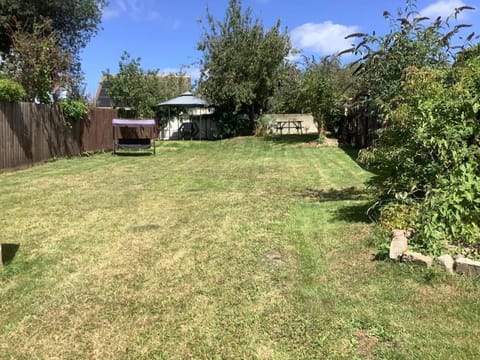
(31, 133)
(96, 132)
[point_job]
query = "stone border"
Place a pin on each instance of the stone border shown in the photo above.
(399, 252)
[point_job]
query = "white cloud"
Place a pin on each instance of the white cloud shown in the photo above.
(443, 8)
(324, 38)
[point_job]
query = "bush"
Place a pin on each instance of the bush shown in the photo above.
(264, 125)
(428, 156)
(11, 91)
(74, 110)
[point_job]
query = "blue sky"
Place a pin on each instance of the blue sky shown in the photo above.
(164, 34)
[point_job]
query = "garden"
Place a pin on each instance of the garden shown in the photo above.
(265, 246)
(241, 248)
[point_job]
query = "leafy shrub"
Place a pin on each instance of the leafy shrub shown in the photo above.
(74, 110)
(451, 213)
(231, 123)
(11, 91)
(398, 216)
(428, 153)
(264, 125)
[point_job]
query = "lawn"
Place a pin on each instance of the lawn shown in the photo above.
(236, 249)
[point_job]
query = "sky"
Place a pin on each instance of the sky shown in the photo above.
(164, 34)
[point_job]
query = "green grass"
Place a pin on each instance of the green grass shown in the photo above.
(243, 249)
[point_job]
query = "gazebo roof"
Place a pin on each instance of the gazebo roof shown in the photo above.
(187, 99)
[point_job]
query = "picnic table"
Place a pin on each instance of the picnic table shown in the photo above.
(280, 125)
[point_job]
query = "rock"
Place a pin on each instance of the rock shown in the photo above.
(447, 262)
(417, 258)
(398, 245)
(467, 266)
(398, 233)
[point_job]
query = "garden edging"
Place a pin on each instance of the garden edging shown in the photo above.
(459, 264)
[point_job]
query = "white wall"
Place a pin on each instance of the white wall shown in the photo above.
(309, 126)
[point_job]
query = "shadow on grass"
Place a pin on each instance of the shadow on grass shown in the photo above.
(354, 213)
(290, 139)
(353, 154)
(350, 151)
(8, 252)
(321, 195)
(350, 213)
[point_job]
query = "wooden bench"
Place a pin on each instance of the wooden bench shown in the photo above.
(280, 125)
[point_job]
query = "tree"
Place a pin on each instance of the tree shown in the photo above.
(140, 89)
(241, 62)
(317, 87)
(285, 97)
(37, 61)
(412, 41)
(321, 91)
(75, 23)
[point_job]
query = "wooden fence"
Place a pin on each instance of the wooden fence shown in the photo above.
(358, 128)
(31, 133)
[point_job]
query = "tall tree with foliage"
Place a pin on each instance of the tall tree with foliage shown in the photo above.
(75, 23)
(285, 99)
(241, 63)
(139, 89)
(321, 89)
(37, 61)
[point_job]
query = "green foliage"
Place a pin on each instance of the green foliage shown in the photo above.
(428, 153)
(75, 22)
(241, 63)
(399, 215)
(413, 41)
(230, 124)
(317, 87)
(139, 89)
(264, 125)
(37, 61)
(74, 110)
(426, 157)
(11, 91)
(320, 92)
(285, 96)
